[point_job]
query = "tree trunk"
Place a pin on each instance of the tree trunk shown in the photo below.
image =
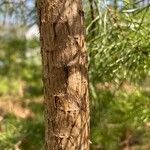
(91, 2)
(115, 4)
(65, 67)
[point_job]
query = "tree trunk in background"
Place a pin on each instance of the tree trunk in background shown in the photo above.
(91, 2)
(115, 4)
(65, 67)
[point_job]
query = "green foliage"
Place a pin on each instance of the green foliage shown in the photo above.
(114, 115)
(9, 86)
(20, 65)
(118, 41)
(24, 133)
(120, 44)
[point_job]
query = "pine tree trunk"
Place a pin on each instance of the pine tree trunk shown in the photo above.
(64, 59)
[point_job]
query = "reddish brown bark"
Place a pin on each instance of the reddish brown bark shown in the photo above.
(64, 58)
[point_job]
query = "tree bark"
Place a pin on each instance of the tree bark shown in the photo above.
(65, 69)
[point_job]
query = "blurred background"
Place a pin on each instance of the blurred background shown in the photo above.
(118, 42)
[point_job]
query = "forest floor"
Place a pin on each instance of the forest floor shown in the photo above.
(22, 123)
